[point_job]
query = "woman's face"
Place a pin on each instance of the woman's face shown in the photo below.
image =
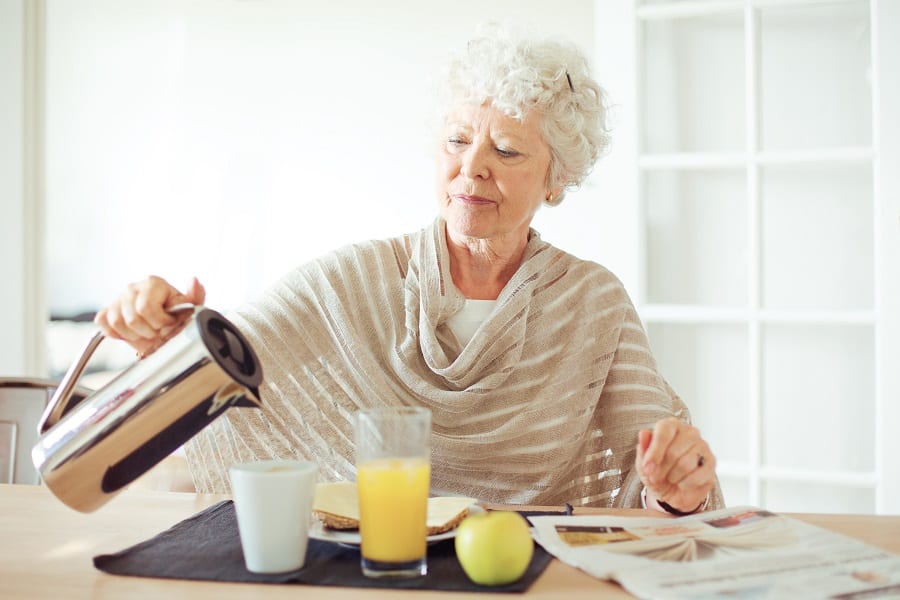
(491, 172)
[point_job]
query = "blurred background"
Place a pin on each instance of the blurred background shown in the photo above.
(748, 201)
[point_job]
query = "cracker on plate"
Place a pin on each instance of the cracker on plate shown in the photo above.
(337, 506)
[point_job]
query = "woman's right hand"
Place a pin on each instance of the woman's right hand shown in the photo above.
(139, 315)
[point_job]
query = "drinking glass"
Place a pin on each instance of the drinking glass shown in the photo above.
(393, 475)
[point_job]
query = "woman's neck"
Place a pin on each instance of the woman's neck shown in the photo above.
(481, 268)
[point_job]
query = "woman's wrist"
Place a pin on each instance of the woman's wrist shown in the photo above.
(668, 508)
(680, 513)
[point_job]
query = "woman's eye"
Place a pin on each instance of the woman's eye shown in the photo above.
(507, 152)
(455, 141)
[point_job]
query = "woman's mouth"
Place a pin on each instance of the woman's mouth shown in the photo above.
(470, 199)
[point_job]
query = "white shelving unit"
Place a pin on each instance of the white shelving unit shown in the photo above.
(762, 250)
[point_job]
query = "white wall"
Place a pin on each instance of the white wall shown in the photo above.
(232, 140)
(12, 209)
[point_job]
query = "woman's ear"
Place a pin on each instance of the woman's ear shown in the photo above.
(553, 196)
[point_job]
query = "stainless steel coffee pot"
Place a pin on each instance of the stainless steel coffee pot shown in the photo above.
(88, 452)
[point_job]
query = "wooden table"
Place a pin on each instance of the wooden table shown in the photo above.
(46, 551)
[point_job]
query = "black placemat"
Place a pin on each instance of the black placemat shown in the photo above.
(206, 546)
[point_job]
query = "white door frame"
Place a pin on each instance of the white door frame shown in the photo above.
(886, 140)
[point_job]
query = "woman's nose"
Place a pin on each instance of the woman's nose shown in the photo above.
(475, 162)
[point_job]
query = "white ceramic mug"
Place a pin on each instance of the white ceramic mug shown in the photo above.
(273, 500)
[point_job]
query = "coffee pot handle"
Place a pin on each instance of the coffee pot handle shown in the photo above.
(63, 394)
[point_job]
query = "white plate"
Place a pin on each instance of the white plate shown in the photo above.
(318, 531)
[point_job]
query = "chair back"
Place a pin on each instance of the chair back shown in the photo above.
(22, 401)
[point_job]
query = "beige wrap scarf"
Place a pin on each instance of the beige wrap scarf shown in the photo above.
(542, 406)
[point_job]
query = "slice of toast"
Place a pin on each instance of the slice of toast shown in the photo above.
(446, 512)
(337, 506)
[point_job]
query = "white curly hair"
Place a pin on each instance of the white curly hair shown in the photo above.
(517, 75)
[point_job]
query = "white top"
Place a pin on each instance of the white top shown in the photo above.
(466, 322)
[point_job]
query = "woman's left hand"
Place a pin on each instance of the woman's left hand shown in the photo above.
(676, 465)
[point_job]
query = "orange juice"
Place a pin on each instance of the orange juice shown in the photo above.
(393, 500)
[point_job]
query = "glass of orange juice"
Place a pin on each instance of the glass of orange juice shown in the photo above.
(393, 476)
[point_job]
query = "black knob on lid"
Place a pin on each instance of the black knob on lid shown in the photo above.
(235, 350)
(229, 348)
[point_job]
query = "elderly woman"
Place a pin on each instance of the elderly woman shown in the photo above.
(533, 362)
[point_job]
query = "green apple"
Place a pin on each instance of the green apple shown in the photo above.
(494, 548)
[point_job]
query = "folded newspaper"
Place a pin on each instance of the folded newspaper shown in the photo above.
(741, 552)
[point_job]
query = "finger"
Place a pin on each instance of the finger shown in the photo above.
(698, 457)
(134, 320)
(694, 487)
(167, 333)
(664, 432)
(154, 294)
(117, 325)
(196, 293)
(691, 491)
(684, 440)
(101, 320)
(179, 320)
(126, 318)
(683, 449)
(644, 437)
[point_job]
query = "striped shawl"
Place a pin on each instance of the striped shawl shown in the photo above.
(542, 406)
